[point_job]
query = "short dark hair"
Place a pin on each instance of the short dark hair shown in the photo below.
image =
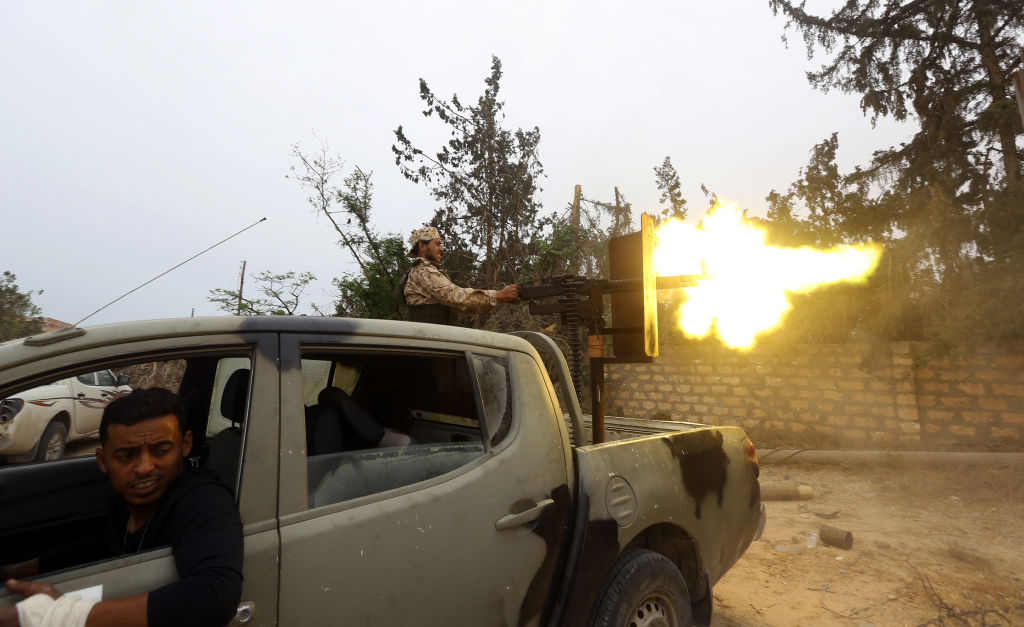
(142, 404)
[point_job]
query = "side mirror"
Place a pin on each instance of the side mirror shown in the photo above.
(123, 379)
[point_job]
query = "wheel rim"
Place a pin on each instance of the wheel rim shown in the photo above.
(654, 611)
(54, 448)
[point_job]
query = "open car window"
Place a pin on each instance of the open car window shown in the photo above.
(54, 498)
(378, 421)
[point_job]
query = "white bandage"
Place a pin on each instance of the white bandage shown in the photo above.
(41, 610)
(393, 438)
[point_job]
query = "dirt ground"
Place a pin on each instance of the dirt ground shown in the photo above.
(931, 546)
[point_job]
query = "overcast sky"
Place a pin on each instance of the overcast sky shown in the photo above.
(133, 135)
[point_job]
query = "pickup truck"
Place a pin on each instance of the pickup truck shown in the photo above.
(395, 473)
(36, 424)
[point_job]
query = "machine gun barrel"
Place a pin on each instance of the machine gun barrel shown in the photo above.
(560, 286)
(537, 292)
(663, 283)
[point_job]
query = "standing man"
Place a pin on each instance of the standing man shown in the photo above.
(431, 296)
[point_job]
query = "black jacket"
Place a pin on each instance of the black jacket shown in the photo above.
(198, 519)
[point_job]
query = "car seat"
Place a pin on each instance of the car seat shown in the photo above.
(226, 447)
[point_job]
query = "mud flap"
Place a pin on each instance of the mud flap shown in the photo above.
(702, 608)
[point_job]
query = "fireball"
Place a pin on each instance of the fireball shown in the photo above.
(749, 282)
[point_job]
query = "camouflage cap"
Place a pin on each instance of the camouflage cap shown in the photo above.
(423, 234)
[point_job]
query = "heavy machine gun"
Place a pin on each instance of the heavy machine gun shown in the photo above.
(632, 289)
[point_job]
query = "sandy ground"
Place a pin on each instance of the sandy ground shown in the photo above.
(930, 547)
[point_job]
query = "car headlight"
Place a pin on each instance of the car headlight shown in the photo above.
(9, 408)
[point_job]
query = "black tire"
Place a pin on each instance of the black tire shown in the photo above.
(644, 589)
(51, 443)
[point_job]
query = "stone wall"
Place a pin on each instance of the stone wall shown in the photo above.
(834, 396)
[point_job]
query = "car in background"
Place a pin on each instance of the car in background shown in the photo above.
(36, 424)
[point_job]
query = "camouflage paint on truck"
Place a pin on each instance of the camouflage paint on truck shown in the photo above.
(523, 534)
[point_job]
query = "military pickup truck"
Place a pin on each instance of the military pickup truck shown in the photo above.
(398, 473)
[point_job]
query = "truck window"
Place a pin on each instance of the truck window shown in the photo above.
(57, 509)
(495, 394)
(103, 377)
(377, 421)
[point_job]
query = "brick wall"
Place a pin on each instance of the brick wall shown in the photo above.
(837, 395)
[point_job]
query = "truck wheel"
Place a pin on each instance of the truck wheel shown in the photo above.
(51, 443)
(644, 589)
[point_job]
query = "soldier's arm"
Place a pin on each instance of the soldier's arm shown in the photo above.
(467, 300)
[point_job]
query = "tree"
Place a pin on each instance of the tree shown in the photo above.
(667, 180)
(19, 317)
(579, 244)
(948, 203)
(947, 64)
(840, 207)
(282, 294)
(485, 181)
(839, 210)
(371, 292)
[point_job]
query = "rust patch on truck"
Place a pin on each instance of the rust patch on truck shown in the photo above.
(702, 461)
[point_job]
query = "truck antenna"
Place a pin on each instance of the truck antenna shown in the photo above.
(167, 271)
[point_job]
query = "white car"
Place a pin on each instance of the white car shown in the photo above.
(37, 423)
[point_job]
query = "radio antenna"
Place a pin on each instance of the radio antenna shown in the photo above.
(168, 271)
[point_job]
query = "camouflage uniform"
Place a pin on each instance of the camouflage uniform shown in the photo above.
(427, 285)
(431, 296)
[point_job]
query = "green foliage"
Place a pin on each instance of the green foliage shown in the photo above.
(19, 317)
(947, 66)
(948, 204)
(281, 295)
(579, 244)
(372, 291)
(485, 181)
(667, 180)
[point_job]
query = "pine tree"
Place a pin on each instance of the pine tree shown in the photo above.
(947, 65)
(949, 203)
(667, 180)
(485, 180)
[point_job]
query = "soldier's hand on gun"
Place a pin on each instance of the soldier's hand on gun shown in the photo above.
(508, 294)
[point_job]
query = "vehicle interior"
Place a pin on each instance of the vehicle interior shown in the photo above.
(379, 421)
(51, 504)
(375, 421)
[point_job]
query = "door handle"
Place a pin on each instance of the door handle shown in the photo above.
(530, 515)
(246, 610)
(81, 395)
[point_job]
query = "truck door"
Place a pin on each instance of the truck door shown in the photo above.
(59, 504)
(455, 517)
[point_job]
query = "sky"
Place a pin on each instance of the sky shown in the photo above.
(134, 135)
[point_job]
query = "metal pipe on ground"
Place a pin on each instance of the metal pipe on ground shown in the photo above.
(876, 458)
(834, 536)
(786, 493)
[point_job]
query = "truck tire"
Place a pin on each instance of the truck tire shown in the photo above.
(644, 589)
(51, 443)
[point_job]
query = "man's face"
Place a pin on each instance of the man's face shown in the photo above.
(144, 459)
(432, 250)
